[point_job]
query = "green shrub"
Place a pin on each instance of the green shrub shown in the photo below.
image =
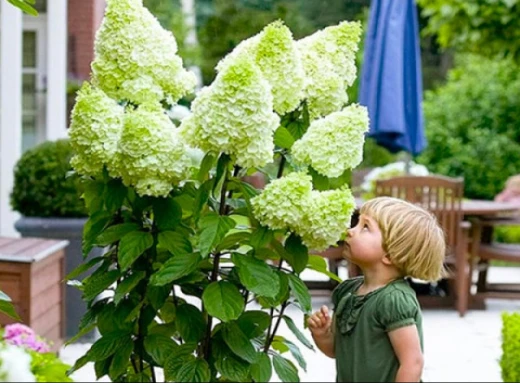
(41, 186)
(472, 125)
(510, 361)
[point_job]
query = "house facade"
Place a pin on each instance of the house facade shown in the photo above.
(38, 55)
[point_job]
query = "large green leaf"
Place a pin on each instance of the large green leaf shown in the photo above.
(261, 369)
(83, 267)
(283, 138)
(97, 283)
(253, 323)
(24, 6)
(301, 293)
(238, 342)
(285, 369)
(159, 347)
(202, 197)
(295, 351)
(296, 331)
(92, 228)
(114, 233)
(175, 242)
(176, 268)
(261, 237)
(176, 360)
(7, 308)
(132, 246)
(127, 285)
(257, 276)
(296, 253)
(319, 264)
(196, 370)
(121, 359)
(107, 345)
(205, 166)
(234, 240)
(223, 300)
(230, 366)
(213, 229)
(319, 181)
(115, 194)
(190, 322)
(283, 293)
(167, 213)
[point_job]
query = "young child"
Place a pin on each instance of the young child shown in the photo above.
(511, 192)
(376, 332)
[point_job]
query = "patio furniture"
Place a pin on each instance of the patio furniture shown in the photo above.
(443, 197)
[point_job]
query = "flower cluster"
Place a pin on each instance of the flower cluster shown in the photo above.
(320, 218)
(136, 58)
(393, 169)
(95, 129)
(234, 115)
(25, 357)
(334, 144)
(275, 53)
(329, 61)
(118, 123)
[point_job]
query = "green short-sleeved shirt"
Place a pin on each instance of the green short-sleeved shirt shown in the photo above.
(363, 349)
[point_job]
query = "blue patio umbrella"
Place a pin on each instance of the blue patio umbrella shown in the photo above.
(391, 79)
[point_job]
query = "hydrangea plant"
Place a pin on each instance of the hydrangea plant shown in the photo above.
(200, 265)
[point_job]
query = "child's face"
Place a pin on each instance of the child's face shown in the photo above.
(364, 242)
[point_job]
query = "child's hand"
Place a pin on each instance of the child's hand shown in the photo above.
(320, 322)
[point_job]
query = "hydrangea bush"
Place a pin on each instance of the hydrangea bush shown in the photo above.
(200, 265)
(25, 357)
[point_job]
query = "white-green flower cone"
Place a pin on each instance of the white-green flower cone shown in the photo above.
(334, 144)
(329, 62)
(234, 115)
(151, 156)
(275, 52)
(279, 206)
(136, 58)
(327, 217)
(95, 129)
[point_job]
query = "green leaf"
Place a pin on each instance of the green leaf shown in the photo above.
(283, 293)
(97, 283)
(93, 196)
(238, 342)
(121, 360)
(205, 166)
(279, 344)
(176, 360)
(114, 233)
(319, 181)
(159, 347)
(190, 322)
(261, 237)
(257, 276)
(296, 253)
(132, 246)
(176, 268)
(167, 213)
(202, 197)
(285, 369)
(222, 170)
(297, 129)
(283, 138)
(101, 367)
(115, 194)
(127, 285)
(83, 267)
(232, 241)
(157, 295)
(196, 370)
(261, 369)
(301, 293)
(213, 229)
(175, 242)
(112, 318)
(24, 7)
(253, 323)
(319, 264)
(223, 300)
(107, 345)
(296, 331)
(7, 308)
(230, 366)
(296, 353)
(93, 227)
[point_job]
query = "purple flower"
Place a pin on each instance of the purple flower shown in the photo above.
(20, 335)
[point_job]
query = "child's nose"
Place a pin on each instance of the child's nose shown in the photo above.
(349, 232)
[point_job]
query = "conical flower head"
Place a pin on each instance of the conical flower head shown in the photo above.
(327, 217)
(279, 206)
(275, 52)
(234, 115)
(329, 61)
(334, 144)
(136, 58)
(95, 129)
(151, 157)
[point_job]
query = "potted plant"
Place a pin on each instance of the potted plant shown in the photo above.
(50, 203)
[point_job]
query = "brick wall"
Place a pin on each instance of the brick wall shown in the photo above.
(84, 19)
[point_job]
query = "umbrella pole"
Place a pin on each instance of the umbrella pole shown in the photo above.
(407, 163)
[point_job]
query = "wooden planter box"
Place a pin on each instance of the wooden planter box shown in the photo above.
(32, 273)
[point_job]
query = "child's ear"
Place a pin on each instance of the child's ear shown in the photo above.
(387, 261)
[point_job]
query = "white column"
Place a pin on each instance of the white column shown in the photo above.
(188, 10)
(10, 109)
(56, 124)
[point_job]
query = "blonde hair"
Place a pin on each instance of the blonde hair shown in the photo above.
(513, 183)
(412, 237)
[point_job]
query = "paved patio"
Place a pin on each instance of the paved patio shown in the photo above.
(456, 349)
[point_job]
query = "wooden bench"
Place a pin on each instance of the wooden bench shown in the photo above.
(32, 273)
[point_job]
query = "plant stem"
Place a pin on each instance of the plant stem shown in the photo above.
(282, 165)
(270, 336)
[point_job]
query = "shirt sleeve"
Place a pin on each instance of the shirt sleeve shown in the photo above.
(397, 310)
